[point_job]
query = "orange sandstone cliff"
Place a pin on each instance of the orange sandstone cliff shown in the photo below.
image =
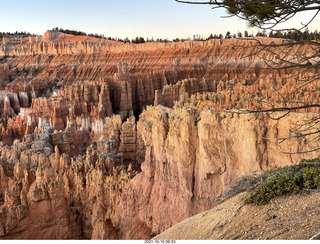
(183, 164)
(109, 140)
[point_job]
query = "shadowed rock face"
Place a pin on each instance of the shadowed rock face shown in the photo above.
(83, 155)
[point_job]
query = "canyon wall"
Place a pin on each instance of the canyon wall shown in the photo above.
(109, 140)
(61, 78)
(190, 158)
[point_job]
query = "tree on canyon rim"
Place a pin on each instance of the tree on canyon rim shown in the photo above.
(288, 57)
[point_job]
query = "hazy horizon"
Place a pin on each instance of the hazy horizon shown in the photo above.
(158, 18)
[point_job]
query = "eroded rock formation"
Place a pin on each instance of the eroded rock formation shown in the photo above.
(83, 154)
(191, 158)
(62, 77)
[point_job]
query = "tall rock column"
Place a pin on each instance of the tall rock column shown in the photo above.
(105, 106)
(128, 142)
(126, 99)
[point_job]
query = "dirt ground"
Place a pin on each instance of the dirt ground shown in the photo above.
(295, 217)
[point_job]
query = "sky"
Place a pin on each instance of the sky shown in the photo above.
(123, 18)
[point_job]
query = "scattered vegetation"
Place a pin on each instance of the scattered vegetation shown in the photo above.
(20, 33)
(245, 183)
(78, 33)
(286, 180)
(138, 40)
(291, 35)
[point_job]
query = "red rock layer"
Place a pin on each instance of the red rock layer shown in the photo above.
(72, 149)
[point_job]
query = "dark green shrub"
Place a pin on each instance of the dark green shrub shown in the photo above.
(311, 177)
(289, 179)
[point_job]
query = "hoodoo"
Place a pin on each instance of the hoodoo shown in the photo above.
(103, 139)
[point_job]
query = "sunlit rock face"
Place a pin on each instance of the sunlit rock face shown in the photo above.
(95, 78)
(109, 140)
(177, 160)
